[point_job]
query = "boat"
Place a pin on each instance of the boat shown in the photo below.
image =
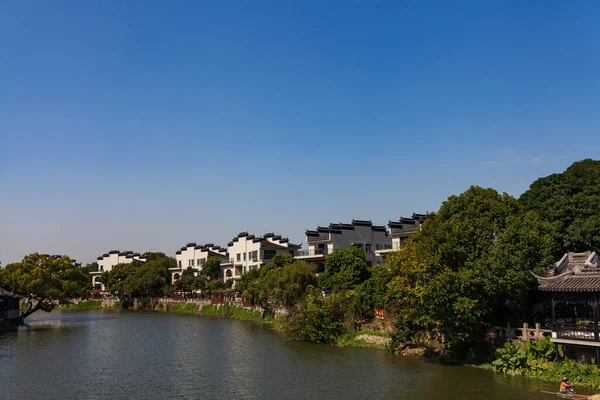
(569, 396)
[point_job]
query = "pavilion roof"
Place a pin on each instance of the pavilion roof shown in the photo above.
(6, 293)
(582, 280)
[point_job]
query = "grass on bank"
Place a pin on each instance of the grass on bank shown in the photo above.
(365, 338)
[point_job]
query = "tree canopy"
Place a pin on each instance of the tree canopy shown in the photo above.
(211, 268)
(281, 287)
(570, 202)
(149, 279)
(467, 268)
(345, 269)
(45, 281)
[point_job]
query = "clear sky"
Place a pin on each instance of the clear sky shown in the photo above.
(143, 125)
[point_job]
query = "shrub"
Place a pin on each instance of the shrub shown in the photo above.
(312, 321)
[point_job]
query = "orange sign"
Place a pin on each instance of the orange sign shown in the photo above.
(379, 313)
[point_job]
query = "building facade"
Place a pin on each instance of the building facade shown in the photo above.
(360, 233)
(399, 232)
(195, 255)
(248, 252)
(107, 261)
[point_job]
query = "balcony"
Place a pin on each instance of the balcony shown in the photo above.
(384, 248)
(311, 253)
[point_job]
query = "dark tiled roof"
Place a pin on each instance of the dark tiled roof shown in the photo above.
(587, 280)
(360, 222)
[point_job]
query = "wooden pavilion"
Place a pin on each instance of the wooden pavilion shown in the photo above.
(573, 288)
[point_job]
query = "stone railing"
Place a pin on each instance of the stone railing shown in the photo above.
(524, 333)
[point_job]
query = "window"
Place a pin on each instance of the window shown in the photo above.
(191, 262)
(179, 263)
(239, 257)
(269, 254)
(244, 256)
(201, 261)
(254, 255)
(368, 247)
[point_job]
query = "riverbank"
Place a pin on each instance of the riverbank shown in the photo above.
(363, 338)
(583, 375)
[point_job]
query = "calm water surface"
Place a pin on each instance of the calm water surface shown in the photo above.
(137, 355)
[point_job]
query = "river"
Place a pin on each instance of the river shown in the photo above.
(104, 354)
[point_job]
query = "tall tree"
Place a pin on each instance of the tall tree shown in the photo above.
(461, 273)
(211, 268)
(45, 281)
(570, 201)
(345, 269)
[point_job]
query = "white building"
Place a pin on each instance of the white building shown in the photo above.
(195, 255)
(248, 252)
(361, 234)
(400, 231)
(107, 261)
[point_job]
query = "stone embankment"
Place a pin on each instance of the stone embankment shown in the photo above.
(378, 340)
(169, 304)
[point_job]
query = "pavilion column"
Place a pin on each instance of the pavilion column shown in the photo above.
(595, 309)
(553, 313)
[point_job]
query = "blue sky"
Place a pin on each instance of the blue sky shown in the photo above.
(143, 125)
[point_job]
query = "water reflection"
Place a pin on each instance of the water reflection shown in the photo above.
(128, 355)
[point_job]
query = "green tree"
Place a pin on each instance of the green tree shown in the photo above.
(282, 287)
(570, 201)
(247, 278)
(279, 261)
(456, 277)
(90, 267)
(187, 282)
(45, 281)
(211, 268)
(345, 269)
(138, 279)
(312, 320)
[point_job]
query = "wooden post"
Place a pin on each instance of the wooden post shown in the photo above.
(538, 333)
(553, 314)
(524, 334)
(595, 309)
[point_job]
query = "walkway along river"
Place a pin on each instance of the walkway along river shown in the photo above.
(105, 354)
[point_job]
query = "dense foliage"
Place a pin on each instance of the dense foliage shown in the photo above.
(570, 202)
(149, 279)
(282, 286)
(45, 281)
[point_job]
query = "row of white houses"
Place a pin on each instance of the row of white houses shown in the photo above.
(247, 251)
